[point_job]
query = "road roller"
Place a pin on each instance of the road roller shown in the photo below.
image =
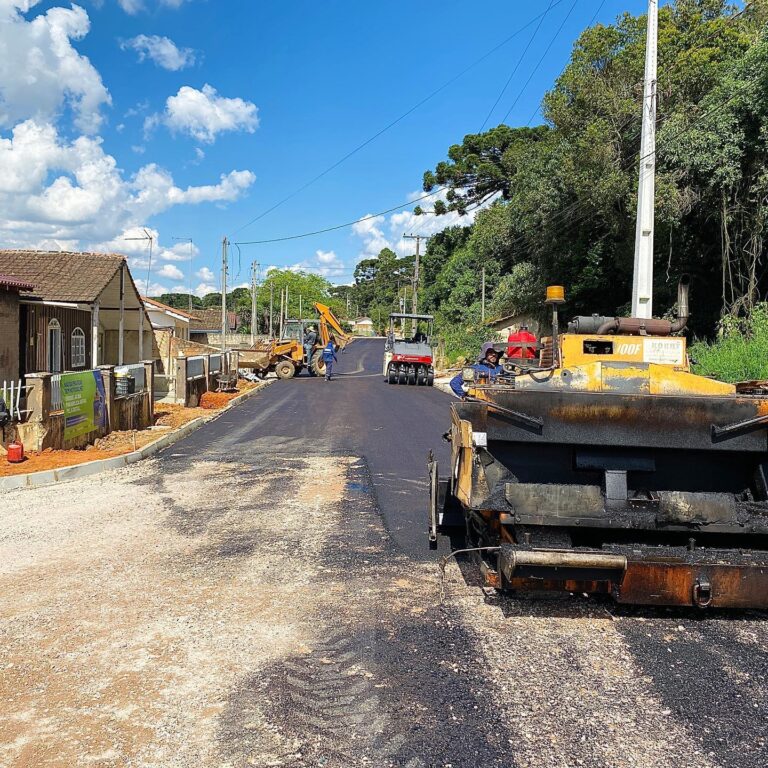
(606, 466)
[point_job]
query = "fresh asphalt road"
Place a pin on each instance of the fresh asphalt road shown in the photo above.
(261, 594)
(391, 427)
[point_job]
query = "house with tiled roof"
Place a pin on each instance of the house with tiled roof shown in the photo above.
(205, 326)
(76, 311)
(11, 289)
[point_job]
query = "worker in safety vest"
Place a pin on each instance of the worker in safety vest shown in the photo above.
(329, 357)
(522, 344)
(487, 366)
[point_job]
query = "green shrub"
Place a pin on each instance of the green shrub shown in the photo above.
(740, 354)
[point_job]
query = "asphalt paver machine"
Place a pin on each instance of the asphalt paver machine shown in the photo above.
(607, 466)
(408, 352)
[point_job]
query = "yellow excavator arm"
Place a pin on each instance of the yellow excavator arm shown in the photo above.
(327, 318)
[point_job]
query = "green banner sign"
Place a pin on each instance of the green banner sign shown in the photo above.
(84, 403)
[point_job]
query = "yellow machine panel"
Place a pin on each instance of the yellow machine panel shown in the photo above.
(659, 350)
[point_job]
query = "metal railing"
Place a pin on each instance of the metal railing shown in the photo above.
(196, 367)
(137, 372)
(11, 395)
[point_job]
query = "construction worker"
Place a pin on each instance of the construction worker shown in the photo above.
(487, 365)
(310, 339)
(522, 344)
(329, 357)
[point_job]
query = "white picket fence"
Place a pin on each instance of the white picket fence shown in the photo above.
(11, 394)
(56, 402)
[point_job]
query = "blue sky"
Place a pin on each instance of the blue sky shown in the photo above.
(124, 133)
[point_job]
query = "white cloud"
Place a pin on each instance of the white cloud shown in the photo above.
(170, 271)
(136, 6)
(206, 275)
(206, 288)
(53, 189)
(40, 71)
(381, 232)
(326, 257)
(161, 50)
(204, 114)
(373, 237)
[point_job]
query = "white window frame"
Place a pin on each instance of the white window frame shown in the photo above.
(77, 348)
(54, 346)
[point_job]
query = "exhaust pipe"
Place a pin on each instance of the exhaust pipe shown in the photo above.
(652, 326)
(510, 559)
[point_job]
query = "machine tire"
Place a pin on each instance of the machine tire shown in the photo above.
(318, 364)
(285, 369)
(411, 374)
(402, 375)
(421, 375)
(392, 374)
(430, 378)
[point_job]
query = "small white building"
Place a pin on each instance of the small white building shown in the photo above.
(174, 321)
(362, 326)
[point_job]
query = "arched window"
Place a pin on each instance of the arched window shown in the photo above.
(54, 346)
(77, 349)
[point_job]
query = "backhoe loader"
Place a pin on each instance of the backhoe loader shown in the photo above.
(286, 356)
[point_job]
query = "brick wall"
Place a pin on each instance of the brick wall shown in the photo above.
(9, 335)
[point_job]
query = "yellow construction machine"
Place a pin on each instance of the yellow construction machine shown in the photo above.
(287, 356)
(606, 466)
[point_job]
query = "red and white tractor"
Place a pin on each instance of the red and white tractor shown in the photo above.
(408, 353)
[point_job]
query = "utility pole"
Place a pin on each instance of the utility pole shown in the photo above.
(224, 244)
(300, 310)
(642, 280)
(415, 296)
(254, 281)
(271, 305)
(282, 310)
(482, 303)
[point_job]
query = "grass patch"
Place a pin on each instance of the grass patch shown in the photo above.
(740, 354)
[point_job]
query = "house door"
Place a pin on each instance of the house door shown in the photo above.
(54, 346)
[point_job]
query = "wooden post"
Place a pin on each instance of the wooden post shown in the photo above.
(121, 331)
(149, 379)
(141, 330)
(108, 377)
(95, 335)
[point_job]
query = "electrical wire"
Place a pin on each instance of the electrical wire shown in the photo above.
(565, 212)
(397, 120)
(516, 67)
(591, 22)
(540, 61)
(340, 226)
(631, 162)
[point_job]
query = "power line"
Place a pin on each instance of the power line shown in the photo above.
(539, 63)
(677, 63)
(516, 67)
(339, 226)
(399, 119)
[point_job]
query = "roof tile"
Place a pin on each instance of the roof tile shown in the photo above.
(62, 276)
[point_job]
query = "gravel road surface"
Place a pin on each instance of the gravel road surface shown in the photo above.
(261, 595)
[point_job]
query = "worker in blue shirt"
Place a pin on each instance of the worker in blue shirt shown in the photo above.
(329, 357)
(487, 364)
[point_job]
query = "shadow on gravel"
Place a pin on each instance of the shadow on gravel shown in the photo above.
(408, 697)
(711, 671)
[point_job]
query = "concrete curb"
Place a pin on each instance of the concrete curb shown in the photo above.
(88, 468)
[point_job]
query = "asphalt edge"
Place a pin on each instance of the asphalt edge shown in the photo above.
(88, 468)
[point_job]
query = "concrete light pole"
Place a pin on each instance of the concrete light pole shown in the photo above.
(642, 281)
